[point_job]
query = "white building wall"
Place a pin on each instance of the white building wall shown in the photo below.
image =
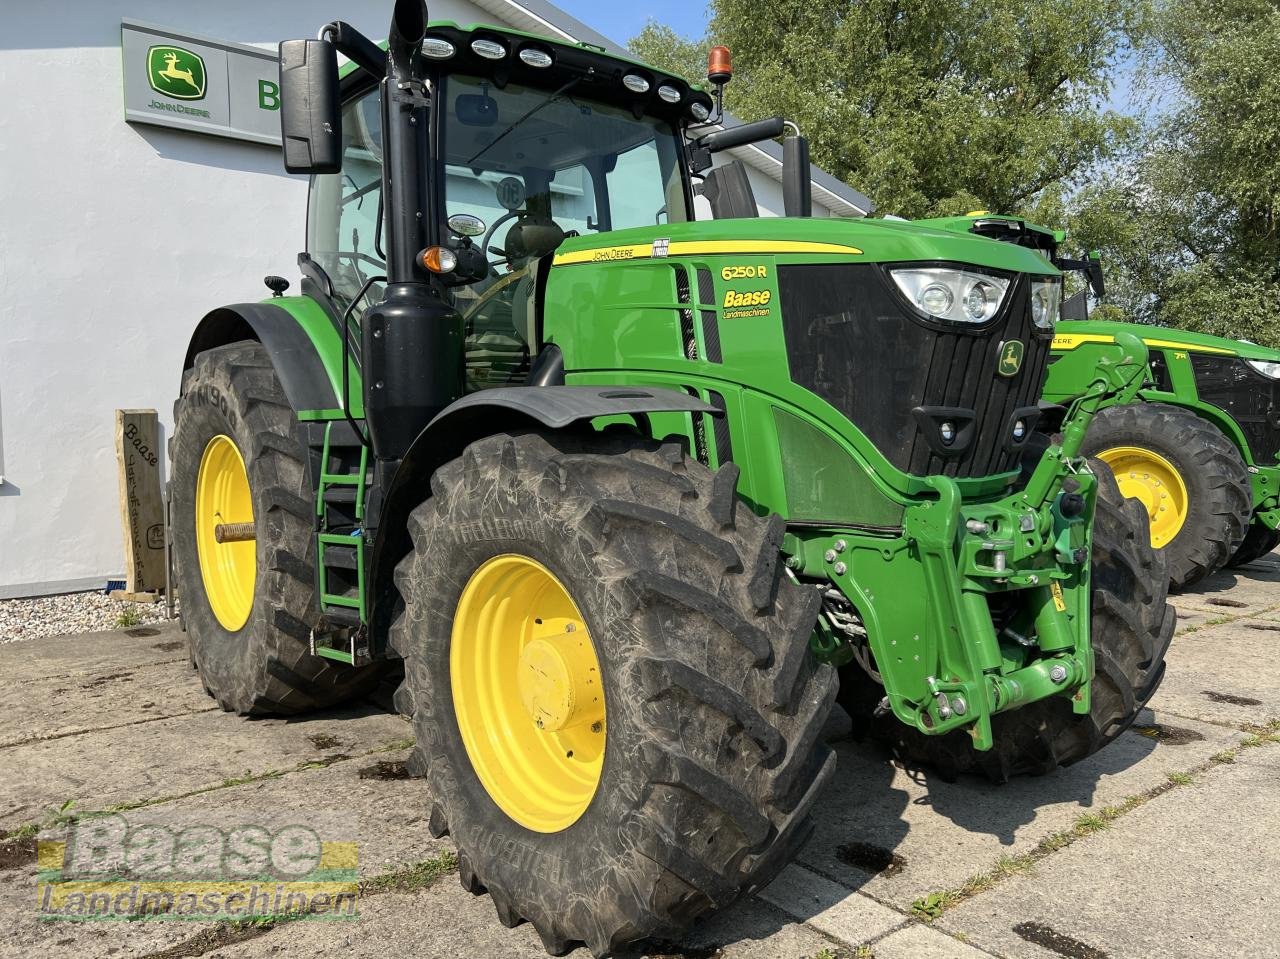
(114, 240)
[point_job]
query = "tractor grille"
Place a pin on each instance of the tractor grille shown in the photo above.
(852, 341)
(1251, 399)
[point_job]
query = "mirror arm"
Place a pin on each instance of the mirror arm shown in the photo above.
(356, 47)
(741, 135)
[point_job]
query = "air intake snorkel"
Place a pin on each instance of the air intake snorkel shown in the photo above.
(412, 339)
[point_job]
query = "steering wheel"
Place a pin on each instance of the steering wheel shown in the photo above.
(488, 236)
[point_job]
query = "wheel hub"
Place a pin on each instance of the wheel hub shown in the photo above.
(559, 680)
(1156, 483)
(228, 569)
(527, 692)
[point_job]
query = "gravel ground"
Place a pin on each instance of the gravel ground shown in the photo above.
(71, 613)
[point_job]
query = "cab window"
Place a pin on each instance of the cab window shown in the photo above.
(343, 222)
(537, 167)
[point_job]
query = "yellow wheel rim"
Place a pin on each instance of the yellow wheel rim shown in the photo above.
(1152, 479)
(527, 693)
(229, 570)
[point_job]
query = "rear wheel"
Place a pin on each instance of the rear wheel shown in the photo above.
(613, 698)
(1130, 630)
(1189, 477)
(248, 605)
(1258, 542)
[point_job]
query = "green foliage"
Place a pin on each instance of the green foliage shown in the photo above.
(417, 876)
(128, 617)
(931, 108)
(930, 907)
(1188, 225)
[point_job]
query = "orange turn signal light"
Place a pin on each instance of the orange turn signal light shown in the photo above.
(438, 259)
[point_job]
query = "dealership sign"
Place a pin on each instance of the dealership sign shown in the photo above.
(177, 79)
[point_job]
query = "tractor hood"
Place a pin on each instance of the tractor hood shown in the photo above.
(1075, 333)
(998, 226)
(822, 240)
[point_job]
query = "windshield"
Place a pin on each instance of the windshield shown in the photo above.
(586, 166)
(537, 166)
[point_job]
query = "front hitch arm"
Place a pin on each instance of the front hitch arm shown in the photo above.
(1117, 377)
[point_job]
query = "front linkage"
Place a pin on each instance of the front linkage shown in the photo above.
(1005, 584)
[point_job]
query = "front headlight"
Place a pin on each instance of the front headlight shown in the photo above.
(1046, 302)
(950, 294)
(1268, 368)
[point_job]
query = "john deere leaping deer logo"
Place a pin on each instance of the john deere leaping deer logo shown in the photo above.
(176, 73)
(1010, 357)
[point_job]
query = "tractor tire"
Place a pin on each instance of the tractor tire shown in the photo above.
(1177, 464)
(1258, 542)
(1130, 627)
(262, 664)
(708, 738)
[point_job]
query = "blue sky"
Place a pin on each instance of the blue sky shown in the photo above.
(622, 21)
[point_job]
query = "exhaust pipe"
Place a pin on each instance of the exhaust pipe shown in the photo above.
(797, 184)
(413, 339)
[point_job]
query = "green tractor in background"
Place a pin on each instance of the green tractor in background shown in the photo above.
(631, 498)
(1201, 447)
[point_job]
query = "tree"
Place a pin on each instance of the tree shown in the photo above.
(931, 107)
(1189, 225)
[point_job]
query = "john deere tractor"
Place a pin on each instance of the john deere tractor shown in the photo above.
(1200, 450)
(628, 496)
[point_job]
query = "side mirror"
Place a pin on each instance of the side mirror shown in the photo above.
(1095, 274)
(466, 224)
(310, 113)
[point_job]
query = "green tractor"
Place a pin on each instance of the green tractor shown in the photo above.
(1201, 450)
(630, 498)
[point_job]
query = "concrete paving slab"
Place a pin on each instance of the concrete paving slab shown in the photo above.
(366, 801)
(750, 929)
(1254, 587)
(1219, 673)
(170, 757)
(25, 935)
(81, 653)
(898, 835)
(446, 922)
(1182, 877)
(829, 907)
(103, 693)
(917, 941)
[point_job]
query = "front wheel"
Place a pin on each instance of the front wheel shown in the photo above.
(613, 696)
(1130, 629)
(1188, 475)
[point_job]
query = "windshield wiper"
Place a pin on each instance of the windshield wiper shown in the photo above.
(528, 113)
